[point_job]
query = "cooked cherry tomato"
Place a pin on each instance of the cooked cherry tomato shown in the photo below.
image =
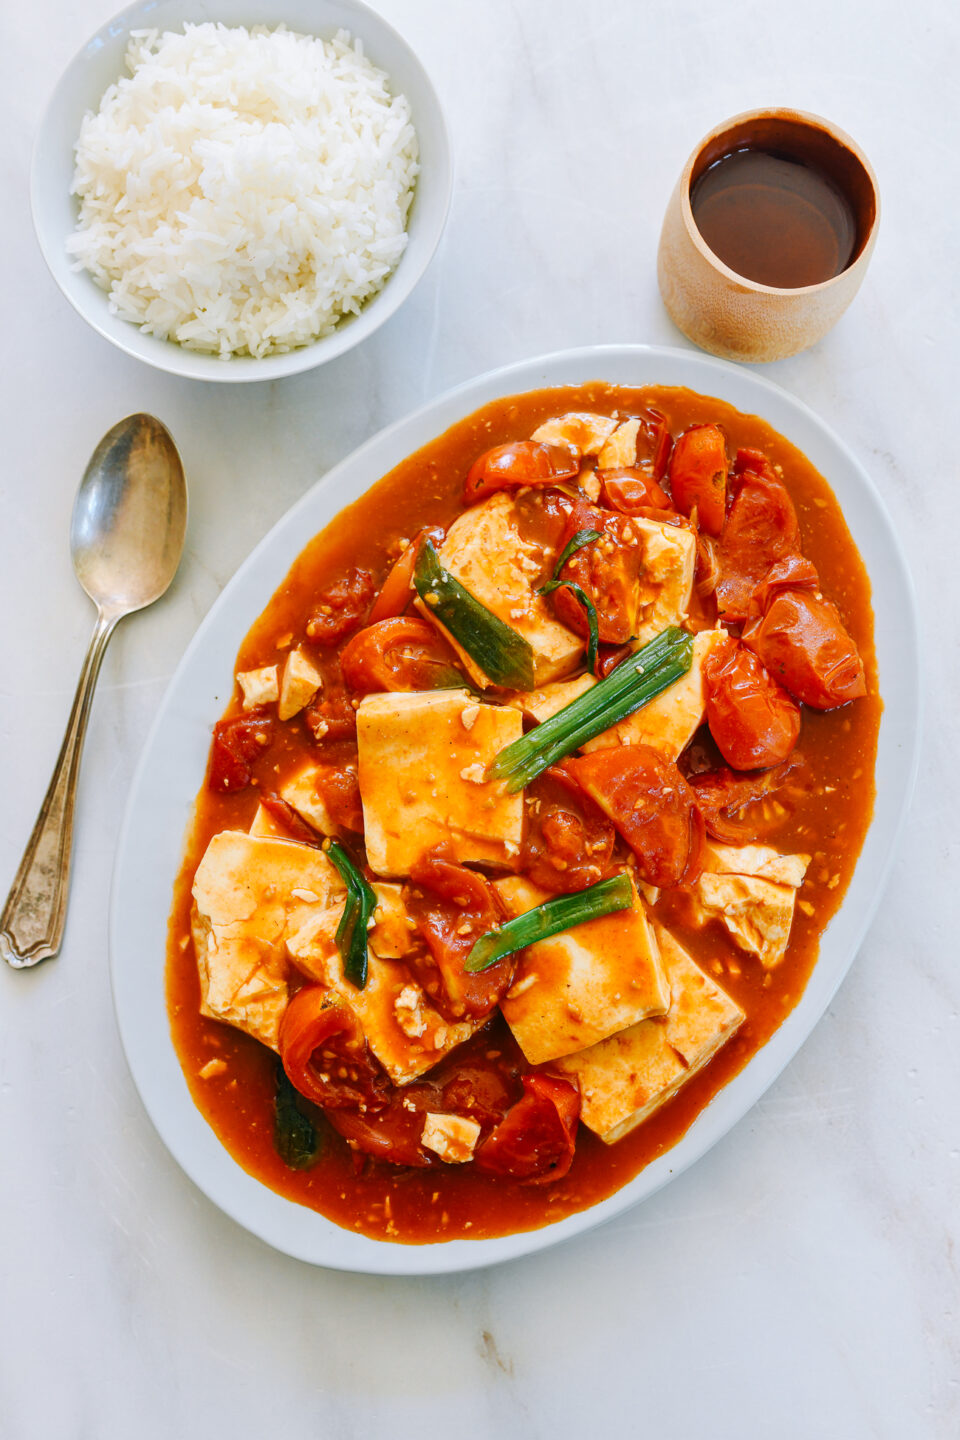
(754, 722)
(524, 462)
(453, 907)
(332, 718)
(341, 607)
(633, 491)
(607, 570)
(654, 443)
(535, 1140)
(568, 841)
(404, 653)
(396, 591)
(237, 743)
(804, 644)
(651, 805)
(609, 657)
(707, 571)
(760, 529)
(698, 475)
(339, 789)
(793, 572)
(325, 1054)
(723, 794)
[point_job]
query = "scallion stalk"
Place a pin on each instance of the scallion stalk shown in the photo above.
(502, 654)
(634, 683)
(360, 904)
(550, 918)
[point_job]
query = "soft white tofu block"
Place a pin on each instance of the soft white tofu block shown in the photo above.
(485, 551)
(263, 824)
(423, 758)
(669, 722)
(249, 892)
(588, 432)
(620, 450)
(452, 1137)
(666, 586)
(625, 1078)
(540, 704)
(300, 791)
(584, 984)
(299, 683)
(259, 686)
(752, 890)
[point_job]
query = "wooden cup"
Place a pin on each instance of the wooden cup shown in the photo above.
(722, 311)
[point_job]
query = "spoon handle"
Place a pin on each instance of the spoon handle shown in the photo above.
(31, 926)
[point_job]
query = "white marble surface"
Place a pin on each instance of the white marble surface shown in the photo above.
(802, 1280)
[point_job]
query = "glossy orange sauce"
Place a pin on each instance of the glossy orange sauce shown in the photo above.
(450, 1202)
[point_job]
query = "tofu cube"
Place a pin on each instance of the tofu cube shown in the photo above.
(391, 937)
(669, 722)
(540, 704)
(666, 587)
(300, 791)
(625, 1078)
(588, 432)
(620, 450)
(452, 1137)
(259, 686)
(584, 984)
(423, 758)
(249, 892)
(301, 681)
(263, 824)
(752, 890)
(485, 550)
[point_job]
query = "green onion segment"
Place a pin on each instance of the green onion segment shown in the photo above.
(502, 654)
(360, 904)
(634, 683)
(549, 919)
(582, 537)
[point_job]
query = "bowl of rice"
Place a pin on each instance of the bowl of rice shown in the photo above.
(241, 189)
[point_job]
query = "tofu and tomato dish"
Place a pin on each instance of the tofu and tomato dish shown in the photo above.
(545, 768)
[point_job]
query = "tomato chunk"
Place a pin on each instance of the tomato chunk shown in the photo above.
(698, 475)
(237, 743)
(607, 570)
(524, 462)
(403, 653)
(452, 907)
(722, 795)
(651, 805)
(803, 643)
(633, 491)
(397, 590)
(332, 718)
(284, 814)
(753, 720)
(535, 1140)
(760, 529)
(338, 787)
(339, 609)
(568, 841)
(325, 1053)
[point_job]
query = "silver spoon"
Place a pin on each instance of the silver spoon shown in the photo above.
(126, 538)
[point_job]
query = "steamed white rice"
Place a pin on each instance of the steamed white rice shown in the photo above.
(243, 191)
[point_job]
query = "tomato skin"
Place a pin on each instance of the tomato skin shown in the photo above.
(402, 653)
(761, 528)
(804, 644)
(340, 608)
(633, 491)
(722, 793)
(325, 1054)
(237, 743)
(284, 814)
(338, 787)
(651, 805)
(568, 841)
(698, 475)
(607, 570)
(452, 907)
(523, 462)
(535, 1140)
(793, 572)
(396, 592)
(753, 720)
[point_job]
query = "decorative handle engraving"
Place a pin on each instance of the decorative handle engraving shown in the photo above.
(31, 926)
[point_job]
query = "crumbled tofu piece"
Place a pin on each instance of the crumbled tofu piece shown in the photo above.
(263, 824)
(413, 749)
(212, 1069)
(259, 686)
(752, 889)
(244, 908)
(540, 704)
(620, 451)
(452, 1137)
(301, 792)
(591, 980)
(625, 1078)
(669, 555)
(403, 1029)
(485, 551)
(391, 936)
(579, 427)
(301, 681)
(589, 482)
(669, 722)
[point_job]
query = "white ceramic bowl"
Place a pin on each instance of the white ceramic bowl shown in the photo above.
(172, 767)
(100, 63)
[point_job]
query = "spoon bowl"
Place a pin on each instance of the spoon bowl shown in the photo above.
(126, 538)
